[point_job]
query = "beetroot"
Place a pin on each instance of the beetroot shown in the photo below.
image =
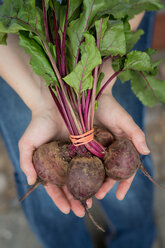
(85, 177)
(83, 173)
(69, 151)
(103, 136)
(122, 160)
(50, 165)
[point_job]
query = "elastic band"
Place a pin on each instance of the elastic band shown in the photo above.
(82, 139)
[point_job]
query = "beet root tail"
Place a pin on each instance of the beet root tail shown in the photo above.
(91, 217)
(145, 172)
(30, 190)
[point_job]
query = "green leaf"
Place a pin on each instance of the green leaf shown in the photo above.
(100, 78)
(54, 90)
(96, 105)
(33, 3)
(155, 64)
(118, 63)
(90, 58)
(150, 51)
(121, 8)
(113, 42)
(77, 27)
(9, 8)
(39, 60)
(103, 27)
(74, 9)
(117, 8)
(3, 38)
(47, 4)
(125, 76)
(149, 90)
(60, 11)
(18, 15)
(93, 10)
(138, 6)
(139, 61)
(131, 36)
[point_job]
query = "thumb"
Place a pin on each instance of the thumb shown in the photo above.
(26, 150)
(137, 136)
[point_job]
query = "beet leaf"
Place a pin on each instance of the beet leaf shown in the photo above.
(89, 56)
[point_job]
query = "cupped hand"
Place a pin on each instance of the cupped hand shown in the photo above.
(111, 115)
(47, 125)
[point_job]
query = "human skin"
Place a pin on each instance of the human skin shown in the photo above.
(47, 124)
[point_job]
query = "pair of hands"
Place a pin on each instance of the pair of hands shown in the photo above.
(47, 125)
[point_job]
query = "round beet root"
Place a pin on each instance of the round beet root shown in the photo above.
(121, 160)
(50, 165)
(85, 177)
(103, 136)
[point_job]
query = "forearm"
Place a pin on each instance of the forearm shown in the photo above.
(136, 21)
(16, 71)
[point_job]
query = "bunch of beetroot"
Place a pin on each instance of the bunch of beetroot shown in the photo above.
(82, 172)
(68, 46)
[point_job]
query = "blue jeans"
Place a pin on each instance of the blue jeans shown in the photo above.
(132, 218)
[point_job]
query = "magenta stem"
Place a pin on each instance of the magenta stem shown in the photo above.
(74, 99)
(57, 38)
(79, 98)
(61, 110)
(86, 25)
(95, 77)
(87, 108)
(94, 151)
(106, 84)
(83, 101)
(63, 42)
(45, 21)
(69, 126)
(68, 112)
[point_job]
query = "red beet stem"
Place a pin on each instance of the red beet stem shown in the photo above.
(145, 172)
(37, 183)
(91, 217)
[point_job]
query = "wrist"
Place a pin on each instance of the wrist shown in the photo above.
(43, 101)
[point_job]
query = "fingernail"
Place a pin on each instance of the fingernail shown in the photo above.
(81, 215)
(89, 203)
(145, 148)
(66, 211)
(100, 196)
(120, 197)
(31, 180)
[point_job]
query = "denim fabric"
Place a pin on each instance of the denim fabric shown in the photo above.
(132, 218)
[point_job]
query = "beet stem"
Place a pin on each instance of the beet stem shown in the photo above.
(107, 83)
(37, 183)
(145, 172)
(91, 217)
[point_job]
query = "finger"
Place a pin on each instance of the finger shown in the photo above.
(123, 188)
(58, 197)
(76, 206)
(26, 152)
(136, 134)
(105, 188)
